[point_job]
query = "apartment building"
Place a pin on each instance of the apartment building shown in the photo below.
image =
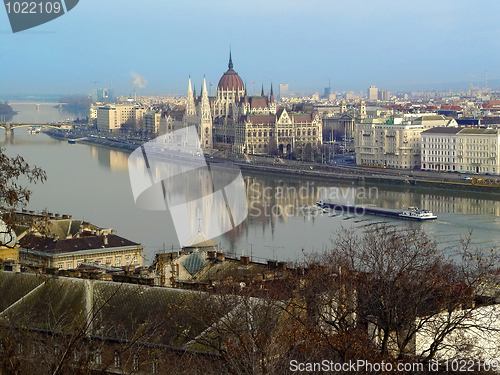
(478, 151)
(152, 122)
(394, 142)
(110, 118)
(439, 149)
(388, 145)
(468, 150)
(372, 93)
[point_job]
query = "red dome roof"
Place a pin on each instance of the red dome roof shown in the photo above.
(230, 81)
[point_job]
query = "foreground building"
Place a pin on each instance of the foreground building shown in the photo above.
(67, 254)
(63, 243)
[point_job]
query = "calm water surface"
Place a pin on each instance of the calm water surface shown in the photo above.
(92, 183)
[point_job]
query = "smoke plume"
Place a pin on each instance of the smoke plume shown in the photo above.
(138, 81)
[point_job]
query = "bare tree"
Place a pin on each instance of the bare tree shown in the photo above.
(14, 171)
(373, 295)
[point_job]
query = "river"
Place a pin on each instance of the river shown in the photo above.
(92, 183)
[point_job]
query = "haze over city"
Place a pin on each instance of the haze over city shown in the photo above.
(391, 44)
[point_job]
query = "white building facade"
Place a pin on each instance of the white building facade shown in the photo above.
(394, 142)
(439, 149)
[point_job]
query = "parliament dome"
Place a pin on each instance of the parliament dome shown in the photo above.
(230, 81)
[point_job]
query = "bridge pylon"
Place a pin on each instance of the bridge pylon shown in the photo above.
(8, 129)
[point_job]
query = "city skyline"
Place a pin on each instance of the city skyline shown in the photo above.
(388, 44)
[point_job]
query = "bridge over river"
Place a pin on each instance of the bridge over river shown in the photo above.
(10, 126)
(38, 104)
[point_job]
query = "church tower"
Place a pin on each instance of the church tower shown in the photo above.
(190, 117)
(343, 106)
(190, 106)
(362, 111)
(272, 103)
(205, 116)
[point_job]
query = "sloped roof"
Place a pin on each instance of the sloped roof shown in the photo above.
(442, 130)
(429, 118)
(193, 262)
(479, 131)
(51, 246)
(199, 240)
(301, 117)
(162, 316)
(258, 102)
(262, 119)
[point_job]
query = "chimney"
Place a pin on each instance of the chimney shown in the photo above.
(221, 257)
(245, 260)
(272, 264)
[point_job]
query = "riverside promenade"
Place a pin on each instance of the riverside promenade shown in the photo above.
(348, 173)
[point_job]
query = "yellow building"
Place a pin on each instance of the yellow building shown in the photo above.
(9, 253)
(111, 117)
(47, 240)
(110, 250)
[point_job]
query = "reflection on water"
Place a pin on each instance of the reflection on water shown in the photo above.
(92, 183)
(282, 212)
(110, 159)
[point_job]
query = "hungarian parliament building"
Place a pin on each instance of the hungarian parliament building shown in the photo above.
(243, 124)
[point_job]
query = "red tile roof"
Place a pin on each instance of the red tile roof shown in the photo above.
(262, 119)
(258, 102)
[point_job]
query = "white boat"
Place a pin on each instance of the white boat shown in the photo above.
(414, 213)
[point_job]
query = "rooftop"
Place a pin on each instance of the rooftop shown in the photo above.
(52, 246)
(442, 130)
(479, 131)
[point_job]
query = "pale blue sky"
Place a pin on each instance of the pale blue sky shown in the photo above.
(393, 44)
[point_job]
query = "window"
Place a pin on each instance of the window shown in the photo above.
(118, 261)
(118, 360)
(155, 367)
(98, 357)
(69, 266)
(135, 363)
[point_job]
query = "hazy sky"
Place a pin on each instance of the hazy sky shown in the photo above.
(393, 44)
